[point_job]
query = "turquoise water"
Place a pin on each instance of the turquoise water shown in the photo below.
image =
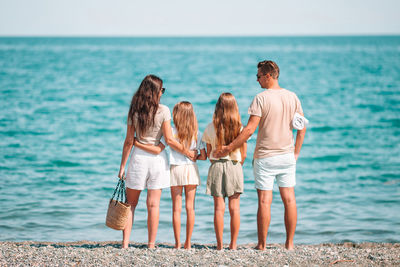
(64, 101)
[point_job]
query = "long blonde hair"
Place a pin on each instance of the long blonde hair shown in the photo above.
(185, 123)
(226, 119)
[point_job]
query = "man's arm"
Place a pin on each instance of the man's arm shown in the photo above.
(243, 152)
(242, 137)
(299, 142)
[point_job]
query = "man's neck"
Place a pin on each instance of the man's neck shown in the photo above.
(273, 85)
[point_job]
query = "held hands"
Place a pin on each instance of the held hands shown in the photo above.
(191, 154)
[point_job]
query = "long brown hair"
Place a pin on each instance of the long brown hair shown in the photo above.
(145, 103)
(226, 119)
(185, 123)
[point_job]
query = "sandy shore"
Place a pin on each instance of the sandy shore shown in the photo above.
(87, 253)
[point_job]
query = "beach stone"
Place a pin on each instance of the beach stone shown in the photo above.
(109, 254)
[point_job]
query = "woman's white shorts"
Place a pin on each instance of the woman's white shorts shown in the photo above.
(147, 171)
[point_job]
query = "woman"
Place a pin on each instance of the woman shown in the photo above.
(148, 120)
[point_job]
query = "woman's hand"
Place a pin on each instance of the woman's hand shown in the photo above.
(121, 173)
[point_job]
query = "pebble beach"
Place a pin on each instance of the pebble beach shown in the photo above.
(88, 253)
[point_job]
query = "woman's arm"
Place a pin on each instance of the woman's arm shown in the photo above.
(202, 155)
(243, 152)
(175, 145)
(150, 148)
(129, 140)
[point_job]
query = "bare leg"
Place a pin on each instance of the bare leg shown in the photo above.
(219, 210)
(176, 195)
(190, 193)
(263, 216)
(289, 201)
(153, 211)
(234, 211)
(132, 197)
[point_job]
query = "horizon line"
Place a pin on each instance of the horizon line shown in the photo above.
(202, 36)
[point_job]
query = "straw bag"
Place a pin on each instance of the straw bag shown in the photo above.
(117, 214)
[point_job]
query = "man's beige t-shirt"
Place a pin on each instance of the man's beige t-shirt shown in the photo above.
(154, 133)
(210, 137)
(276, 107)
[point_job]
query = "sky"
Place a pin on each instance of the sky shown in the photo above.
(198, 18)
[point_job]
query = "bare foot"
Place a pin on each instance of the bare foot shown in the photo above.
(187, 245)
(220, 247)
(289, 245)
(260, 247)
(151, 245)
(177, 246)
(232, 246)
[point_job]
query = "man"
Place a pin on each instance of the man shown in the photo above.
(275, 154)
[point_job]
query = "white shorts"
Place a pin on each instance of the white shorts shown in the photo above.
(280, 167)
(147, 171)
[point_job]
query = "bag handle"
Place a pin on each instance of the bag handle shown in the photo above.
(120, 191)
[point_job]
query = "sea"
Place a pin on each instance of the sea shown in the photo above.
(63, 111)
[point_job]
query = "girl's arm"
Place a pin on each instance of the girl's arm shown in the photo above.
(208, 150)
(150, 148)
(129, 140)
(243, 152)
(175, 145)
(202, 155)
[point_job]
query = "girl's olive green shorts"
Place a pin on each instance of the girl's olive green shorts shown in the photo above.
(225, 178)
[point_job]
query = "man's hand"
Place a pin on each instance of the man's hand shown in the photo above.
(240, 139)
(296, 156)
(219, 153)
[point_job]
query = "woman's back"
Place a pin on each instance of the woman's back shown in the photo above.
(153, 135)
